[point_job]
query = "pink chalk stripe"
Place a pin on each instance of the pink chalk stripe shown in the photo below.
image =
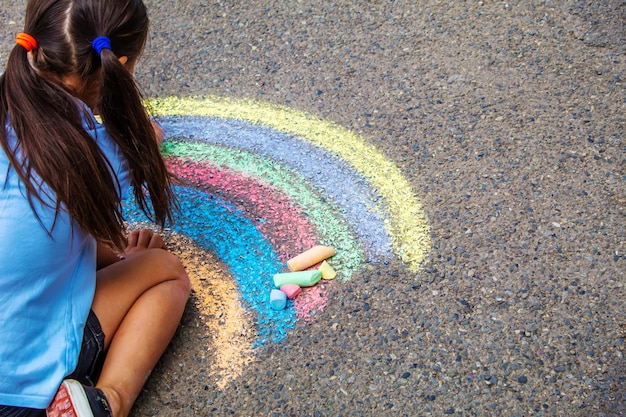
(282, 222)
(312, 301)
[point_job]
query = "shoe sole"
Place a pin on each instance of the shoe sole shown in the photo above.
(70, 401)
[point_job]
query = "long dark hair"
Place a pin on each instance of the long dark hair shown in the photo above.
(54, 146)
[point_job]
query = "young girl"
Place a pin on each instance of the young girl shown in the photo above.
(80, 326)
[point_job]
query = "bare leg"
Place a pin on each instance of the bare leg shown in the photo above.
(139, 302)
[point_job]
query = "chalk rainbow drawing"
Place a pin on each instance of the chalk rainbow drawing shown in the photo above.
(261, 183)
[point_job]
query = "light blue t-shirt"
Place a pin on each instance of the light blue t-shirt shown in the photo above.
(46, 285)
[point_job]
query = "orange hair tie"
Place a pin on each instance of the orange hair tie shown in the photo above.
(26, 41)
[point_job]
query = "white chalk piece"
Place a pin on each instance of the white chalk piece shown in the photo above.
(278, 300)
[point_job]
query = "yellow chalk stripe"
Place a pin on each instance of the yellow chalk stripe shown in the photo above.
(230, 327)
(407, 225)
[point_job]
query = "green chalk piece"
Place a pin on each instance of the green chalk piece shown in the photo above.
(301, 278)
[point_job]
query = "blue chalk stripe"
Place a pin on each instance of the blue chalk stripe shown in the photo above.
(216, 225)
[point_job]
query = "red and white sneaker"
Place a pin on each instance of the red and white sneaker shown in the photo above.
(75, 400)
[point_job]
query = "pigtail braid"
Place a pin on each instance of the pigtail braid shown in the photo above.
(54, 150)
(127, 121)
(55, 157)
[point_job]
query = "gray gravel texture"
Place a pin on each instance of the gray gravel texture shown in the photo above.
(508, 119)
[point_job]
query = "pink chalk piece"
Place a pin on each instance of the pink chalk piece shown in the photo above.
(291, 290)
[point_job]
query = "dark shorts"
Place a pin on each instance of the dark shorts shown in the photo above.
(87, 371)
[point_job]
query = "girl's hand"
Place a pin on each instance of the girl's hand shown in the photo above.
(140, 240)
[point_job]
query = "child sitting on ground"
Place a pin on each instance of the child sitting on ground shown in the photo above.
(81, 326)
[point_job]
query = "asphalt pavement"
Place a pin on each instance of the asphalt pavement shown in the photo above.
(505, 120)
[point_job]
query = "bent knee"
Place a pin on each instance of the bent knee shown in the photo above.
(171, 265)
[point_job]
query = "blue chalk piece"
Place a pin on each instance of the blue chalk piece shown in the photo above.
(278, 300)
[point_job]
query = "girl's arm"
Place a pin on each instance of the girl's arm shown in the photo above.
(106, 256)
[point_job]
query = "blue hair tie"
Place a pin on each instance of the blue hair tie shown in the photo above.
(100, 43)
